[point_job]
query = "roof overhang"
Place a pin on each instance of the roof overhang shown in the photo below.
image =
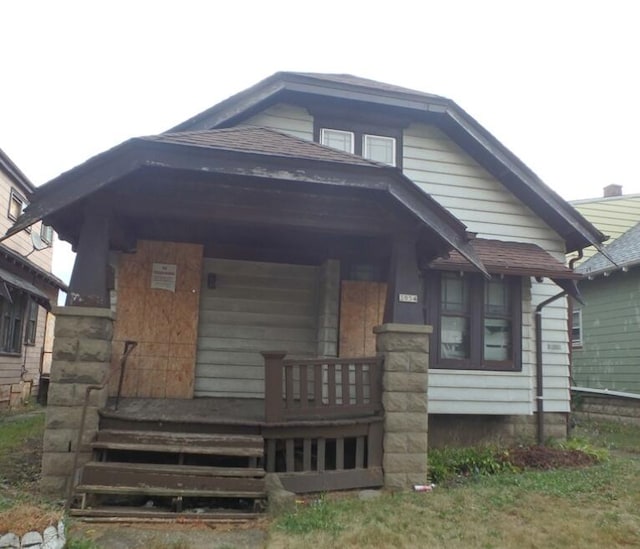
(515, 259)
(569, 224)
(17, 282)
(103, 170)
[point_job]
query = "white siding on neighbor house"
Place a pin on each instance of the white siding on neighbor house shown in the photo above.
(475, 197)
(254, 307)
(20, 242)
(288, 119)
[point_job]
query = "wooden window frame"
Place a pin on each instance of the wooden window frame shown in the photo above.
(31, 323)
(11, 342)
(476, 361)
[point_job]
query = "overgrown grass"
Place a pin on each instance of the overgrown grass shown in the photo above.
(613, 436)
(496, 506)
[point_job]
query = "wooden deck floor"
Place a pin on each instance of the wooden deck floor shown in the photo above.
(243, 411)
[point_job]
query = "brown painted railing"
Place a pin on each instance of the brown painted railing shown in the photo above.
(321, 388)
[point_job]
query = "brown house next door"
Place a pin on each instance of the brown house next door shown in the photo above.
(361, 308)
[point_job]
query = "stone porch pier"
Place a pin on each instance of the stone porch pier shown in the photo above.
(405, 348)
(81, 357)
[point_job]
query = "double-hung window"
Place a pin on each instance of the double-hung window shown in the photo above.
(477, 323)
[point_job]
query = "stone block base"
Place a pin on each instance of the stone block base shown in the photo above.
(453, 430)
(606, 408)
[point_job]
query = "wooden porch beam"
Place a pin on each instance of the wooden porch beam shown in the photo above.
(404, 297)
(88, 286)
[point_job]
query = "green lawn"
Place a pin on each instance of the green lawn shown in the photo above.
(591, 507)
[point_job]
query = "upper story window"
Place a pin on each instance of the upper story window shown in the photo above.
(46, 233)
(379, 148)
(477, 323)
(337, 139)
(373, 147)
(17, 203)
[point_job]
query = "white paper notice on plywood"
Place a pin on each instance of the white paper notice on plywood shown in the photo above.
(163, 276)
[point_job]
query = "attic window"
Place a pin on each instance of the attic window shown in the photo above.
(16, 205)
(337, 139)
(380, 149)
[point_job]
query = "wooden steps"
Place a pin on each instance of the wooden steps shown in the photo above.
(180, 443)
(169, 470)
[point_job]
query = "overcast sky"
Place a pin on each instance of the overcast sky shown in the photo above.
(555, 81)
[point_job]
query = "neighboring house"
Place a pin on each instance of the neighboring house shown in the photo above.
(606, 328)
(27, 291)
(296, 216)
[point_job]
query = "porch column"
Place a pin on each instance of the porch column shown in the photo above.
(405, 348)
(88, 285)
(81, 357)
(403, 301)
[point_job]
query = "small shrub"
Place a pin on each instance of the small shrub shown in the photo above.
(448, 463)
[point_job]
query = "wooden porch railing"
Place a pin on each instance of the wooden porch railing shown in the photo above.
(321, 388)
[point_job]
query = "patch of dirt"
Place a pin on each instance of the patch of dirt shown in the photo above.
(545, 458)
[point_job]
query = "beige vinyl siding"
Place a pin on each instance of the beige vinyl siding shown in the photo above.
(289, 119)
(613, 216)
(254, 307)
(21, 242)
(482, 203)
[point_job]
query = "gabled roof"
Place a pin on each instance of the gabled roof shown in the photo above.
(576, 231)
(15, 173)
(624, 250)
(247, 151)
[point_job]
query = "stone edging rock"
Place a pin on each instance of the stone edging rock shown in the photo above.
(53, 537)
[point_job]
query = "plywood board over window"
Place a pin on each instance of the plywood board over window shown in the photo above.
(162, 321)
(361, 308)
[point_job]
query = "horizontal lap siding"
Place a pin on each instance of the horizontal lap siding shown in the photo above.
(612, 216)
(288, 119)
(255, 307)
(482, 203)
(610, 356)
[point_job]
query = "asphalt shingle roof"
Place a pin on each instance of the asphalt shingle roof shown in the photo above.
(261, 141)
(509, 258)
(624, 250)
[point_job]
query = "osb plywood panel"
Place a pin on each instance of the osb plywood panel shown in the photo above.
(164, 323)
(361, 308)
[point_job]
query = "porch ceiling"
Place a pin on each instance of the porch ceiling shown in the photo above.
(249, 168)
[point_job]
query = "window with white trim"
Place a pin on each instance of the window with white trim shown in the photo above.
(46, 233)
(337, 139)
(379, 148)
(17, 203)
(576, 327)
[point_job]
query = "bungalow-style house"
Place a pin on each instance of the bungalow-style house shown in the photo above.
(27, 292)
(605, 329)
(304, 280)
